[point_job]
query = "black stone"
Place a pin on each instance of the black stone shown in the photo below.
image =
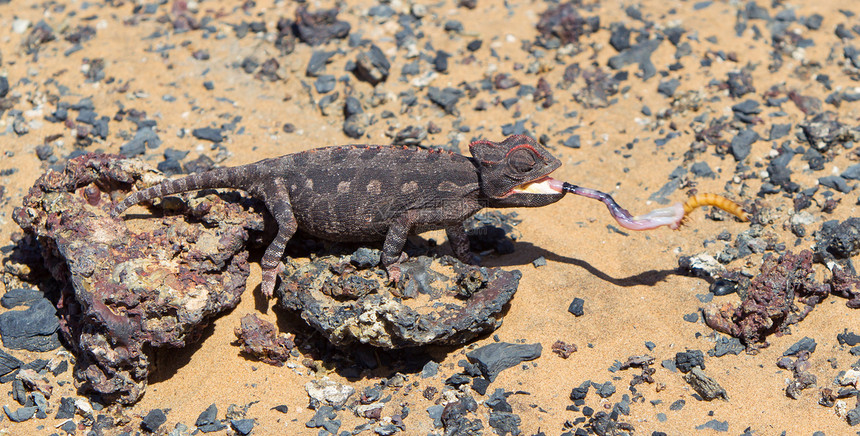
(480, 385)
(687, 360)
(494, 358)
(637, 54)
(852, 172)
(372, 66)
(806, 344)
(605, 390)
(351, 106)
(154, 419)
(430, 369)
(677, 405)
(667, 88)
(727, 345)
(742, 144)
(144, 137)
(207, 421)
(67, 408)
(33, 329)
(505, 423)
(714, 425)
(572, 141)
(446, 98)
(620, 37)
(208, 134)
(324, 417)
(242, 426)
(19, 296)
(457, 380)
(580, 392)
(778, 131)
(848, 338)
(21, 414)
(835, 182)
(4, 86)
(498, 402)
(281, 408)
(702, 169)
(577, 307)
(747, 107)
(8, 363)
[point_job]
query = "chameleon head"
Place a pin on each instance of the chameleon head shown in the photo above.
(515, 172)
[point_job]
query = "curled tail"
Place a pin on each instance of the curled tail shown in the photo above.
(228, 177)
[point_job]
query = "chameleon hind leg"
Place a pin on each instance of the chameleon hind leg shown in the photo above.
(277, 201)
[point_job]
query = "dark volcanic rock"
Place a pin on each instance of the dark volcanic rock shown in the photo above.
(20, 296)
(705, 386)
(372, 66)
(348, 304)
(208, 134)
(208, 421)
(33, 329)
(637, 54)
(742, 144)
(838, 240)
(21, 414)
(167, 275)
(8, 363)
(317, 28)
(494, 358)
(154, 419)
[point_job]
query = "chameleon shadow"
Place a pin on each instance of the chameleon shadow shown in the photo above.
(526, 252)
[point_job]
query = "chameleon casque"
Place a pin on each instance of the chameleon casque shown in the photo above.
(364, 193)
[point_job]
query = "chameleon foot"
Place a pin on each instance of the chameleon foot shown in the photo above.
(270, 277)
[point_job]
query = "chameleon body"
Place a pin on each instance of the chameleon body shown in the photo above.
(364, 193)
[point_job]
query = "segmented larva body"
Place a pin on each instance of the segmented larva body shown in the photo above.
(715, 200)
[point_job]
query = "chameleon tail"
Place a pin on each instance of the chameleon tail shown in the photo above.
(216, 178)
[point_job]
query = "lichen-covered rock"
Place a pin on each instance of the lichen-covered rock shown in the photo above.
(260, 339)
(782, 294)
(130, 285)
(437, 301)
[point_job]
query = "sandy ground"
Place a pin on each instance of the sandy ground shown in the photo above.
(632, 291)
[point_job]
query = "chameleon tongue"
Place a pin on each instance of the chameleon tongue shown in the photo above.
(668, 216)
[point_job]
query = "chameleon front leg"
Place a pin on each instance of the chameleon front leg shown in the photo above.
(460, 244)
(395, 240)
(277, 201)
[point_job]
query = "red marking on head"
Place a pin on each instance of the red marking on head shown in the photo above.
(483, 142)
(526, 146)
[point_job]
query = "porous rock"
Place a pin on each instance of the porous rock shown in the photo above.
(260, 339)
(437, 301)
(130, 285)
(782, 294)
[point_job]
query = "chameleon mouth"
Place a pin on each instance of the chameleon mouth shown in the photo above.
(545, 185)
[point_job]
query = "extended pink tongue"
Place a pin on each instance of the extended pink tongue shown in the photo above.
(668, 216)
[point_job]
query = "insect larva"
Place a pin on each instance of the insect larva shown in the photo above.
(719, 201)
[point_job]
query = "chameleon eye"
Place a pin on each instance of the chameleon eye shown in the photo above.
(522, 161)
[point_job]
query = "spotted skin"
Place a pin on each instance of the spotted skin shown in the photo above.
(364, 193)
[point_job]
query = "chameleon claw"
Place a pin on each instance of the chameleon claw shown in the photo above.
(394, 273)
(270, 278)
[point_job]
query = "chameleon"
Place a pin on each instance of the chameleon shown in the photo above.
(367, 193)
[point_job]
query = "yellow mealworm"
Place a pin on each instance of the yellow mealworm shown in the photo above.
(719, 201)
